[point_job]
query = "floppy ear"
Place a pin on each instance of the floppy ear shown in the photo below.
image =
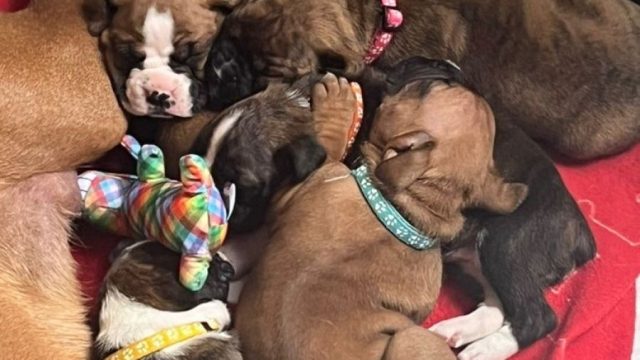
(97, 15)
(405, 159)
(301, 157)
(501, 197)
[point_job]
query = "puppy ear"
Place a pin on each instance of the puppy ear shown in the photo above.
(501, 197)
(97, 15)
(301, 157)
(404, 160)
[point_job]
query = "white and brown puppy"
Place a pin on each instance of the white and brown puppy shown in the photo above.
(142, 297)
(156, 50)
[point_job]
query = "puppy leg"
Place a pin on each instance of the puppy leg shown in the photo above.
(497, 346)
(485, 320)
(524, 305)
(417, 343)
(334, 107)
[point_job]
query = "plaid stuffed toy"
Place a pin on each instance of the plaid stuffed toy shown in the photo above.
(187, 216)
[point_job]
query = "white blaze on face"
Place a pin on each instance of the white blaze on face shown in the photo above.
(158, 38)
(157, 90)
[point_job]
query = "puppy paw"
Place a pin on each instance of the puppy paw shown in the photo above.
(334, 108)
(212, 310)
(462, 330)
(498, 346)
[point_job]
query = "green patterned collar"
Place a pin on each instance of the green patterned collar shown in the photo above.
(389, 215)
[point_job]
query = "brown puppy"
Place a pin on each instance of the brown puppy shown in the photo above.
(566, 72)
(334, 283)
(141, 296)
(156, 51)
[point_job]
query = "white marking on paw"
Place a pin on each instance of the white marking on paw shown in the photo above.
(498, 346)
(462, 330)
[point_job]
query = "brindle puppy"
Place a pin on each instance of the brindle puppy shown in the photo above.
(260, 143)
(566, 72)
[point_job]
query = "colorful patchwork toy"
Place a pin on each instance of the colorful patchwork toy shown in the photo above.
(187, 216)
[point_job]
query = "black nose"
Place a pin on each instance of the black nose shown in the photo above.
(159, 99)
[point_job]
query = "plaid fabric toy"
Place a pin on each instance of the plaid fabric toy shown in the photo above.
(187, 216)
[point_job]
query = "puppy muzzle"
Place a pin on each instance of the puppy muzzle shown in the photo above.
(158, 92)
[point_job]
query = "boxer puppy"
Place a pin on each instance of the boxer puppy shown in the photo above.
(259, 144)
(516, 257)
(155, 51)
(334, 283)
(141, 296)
(565, 72)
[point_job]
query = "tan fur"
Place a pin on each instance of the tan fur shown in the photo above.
(57, 111)
(334, 283)
(56, 105)
(42, 315)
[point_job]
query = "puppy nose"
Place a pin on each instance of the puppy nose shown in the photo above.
(159, 99)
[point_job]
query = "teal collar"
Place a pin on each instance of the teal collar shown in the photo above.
(389, 215)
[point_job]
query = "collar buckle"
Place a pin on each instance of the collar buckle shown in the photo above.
(392, 15)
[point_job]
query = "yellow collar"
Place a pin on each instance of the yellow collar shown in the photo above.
(163, 339)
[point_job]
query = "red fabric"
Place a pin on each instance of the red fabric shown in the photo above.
(595, 305)
(13, 5)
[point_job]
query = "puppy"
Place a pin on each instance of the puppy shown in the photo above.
(142, 297)
(156, 51)
(259, 144)
(565, 72)
(515, 257)
(334, 283)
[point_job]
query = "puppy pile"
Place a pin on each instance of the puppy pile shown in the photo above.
(343, 260)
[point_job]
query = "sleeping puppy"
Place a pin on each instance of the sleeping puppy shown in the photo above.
(566, 72)
(155, 51)
(516, 257)
(141, 297)
(259, 144)
(334, 282)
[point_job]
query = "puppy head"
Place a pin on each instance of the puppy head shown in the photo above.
(432, 140)
(155, 51)
(148, 272)
(260, 144)
(285, 40)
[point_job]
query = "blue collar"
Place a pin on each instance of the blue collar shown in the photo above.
(389, 216)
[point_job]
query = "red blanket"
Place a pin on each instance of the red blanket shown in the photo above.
(596, 305)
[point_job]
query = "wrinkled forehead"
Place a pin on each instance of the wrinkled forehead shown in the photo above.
(446, 111)
(189, 19)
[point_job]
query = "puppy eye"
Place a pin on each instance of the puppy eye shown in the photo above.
(129, 52)
(184, 52)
